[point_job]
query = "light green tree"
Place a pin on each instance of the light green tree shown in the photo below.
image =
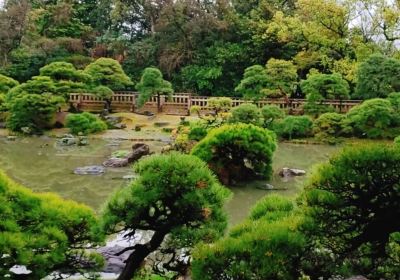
(254, 80)
(176, 197)
(152, 84)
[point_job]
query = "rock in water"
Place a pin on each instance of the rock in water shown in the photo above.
(138, 151)
(67, 141)
(291, 172)
(90, 170)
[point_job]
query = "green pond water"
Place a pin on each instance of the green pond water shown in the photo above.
(44, 166)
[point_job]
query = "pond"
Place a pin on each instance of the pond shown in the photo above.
(42, 165)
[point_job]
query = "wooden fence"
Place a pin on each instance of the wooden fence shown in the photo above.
(180, 103)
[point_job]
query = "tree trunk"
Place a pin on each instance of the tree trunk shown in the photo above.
(137, 257)
(158, 103)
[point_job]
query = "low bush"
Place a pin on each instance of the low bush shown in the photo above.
(374, 118)
(294, 127)
(238, 151)
(271, 113)
(328, 127)
(85, 123)
(268, 245)
(246, 113)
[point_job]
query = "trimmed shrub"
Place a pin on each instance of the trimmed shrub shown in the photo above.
(85, 123)
(175, 195)
(294, 127)
(246, 113)
(35, 111)
(266, 246)
(270, 113)
(238, 151)
(328, 127)
(44, 233)
(374, 118)
(354, 200)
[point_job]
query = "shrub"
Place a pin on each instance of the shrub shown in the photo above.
(238, 151)
(354, 201)
(85, 123)
(270, 113)
(294, 127)
(7, 83)
(246, 113)
(328, 126)
(397, 141)
(282, 78)
(266, 246)
(36, 111)
(198, 130)
(373, 118)
(44, 233)
(394, 99)
(175, 195)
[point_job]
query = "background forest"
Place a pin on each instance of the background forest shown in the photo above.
(205, 46)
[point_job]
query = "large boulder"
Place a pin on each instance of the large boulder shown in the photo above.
(138, 151)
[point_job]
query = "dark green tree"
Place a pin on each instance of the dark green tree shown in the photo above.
(354, 202)
(320, 87)
(175, 195)
(152, 84)
(377, 77)
(230, 149)
(254, 80)
(44, 233)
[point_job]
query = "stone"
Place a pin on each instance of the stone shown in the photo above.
(68, 141)
(138, 151)
(26, 130)
(11, 138)
(119, 126)
(83, 141)
(161, 124)
(90, 170)
(2, 125)
(166, 149)
(129, 177)
(291, 172)
(267, 187)
(138, 128)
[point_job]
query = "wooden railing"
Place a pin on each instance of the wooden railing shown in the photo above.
(182, 102)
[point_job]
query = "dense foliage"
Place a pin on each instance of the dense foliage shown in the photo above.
(354, 201)
(293, 127)
(85, 123)
(175, 195)
(246, 113)
(238, 151)
(203, 46)
(374, 118)
(328, 127)
(377, 77)
(266, 246)
(44, 233)
(270, 114)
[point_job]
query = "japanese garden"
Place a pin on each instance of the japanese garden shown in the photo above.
(200, 140)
